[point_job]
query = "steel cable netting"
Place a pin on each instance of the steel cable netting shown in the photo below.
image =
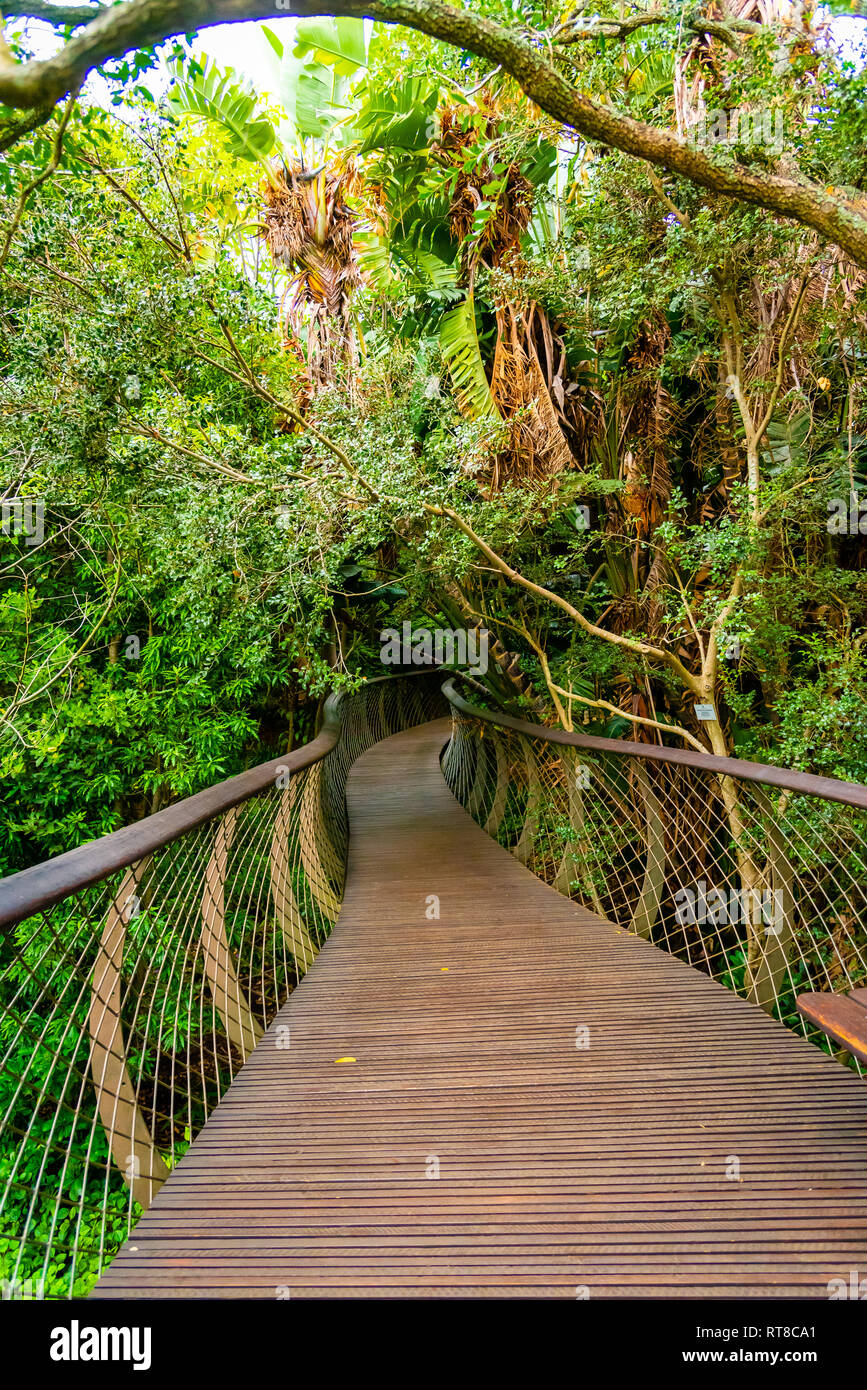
(762, 887)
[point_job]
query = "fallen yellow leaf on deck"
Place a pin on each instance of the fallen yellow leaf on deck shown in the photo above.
(344, 1059)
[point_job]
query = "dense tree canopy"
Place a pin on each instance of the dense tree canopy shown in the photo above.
(525, 50)
(390, 342)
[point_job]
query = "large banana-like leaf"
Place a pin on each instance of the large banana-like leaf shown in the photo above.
(310, 93)
(375, 260)
(339, 42)
(386, 263)
(399, 118)
(460, 348)
(305, 92)
(787, 441)
(437, 276)
(226, 103)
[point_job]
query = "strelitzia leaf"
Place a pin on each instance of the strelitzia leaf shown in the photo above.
(401, 118)
(224, 102)
(339, 42)
(460, 348)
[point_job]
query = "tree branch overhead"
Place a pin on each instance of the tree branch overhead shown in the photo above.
(116, 29)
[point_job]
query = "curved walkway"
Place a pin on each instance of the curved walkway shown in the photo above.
(693, 1148)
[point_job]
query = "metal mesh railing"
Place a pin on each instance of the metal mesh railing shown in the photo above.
(755, 875)
(137, 974)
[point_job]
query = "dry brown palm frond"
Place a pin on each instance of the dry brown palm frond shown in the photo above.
(652, 594)
(832, 282)
(716, 445)
(650, 422)
(537, 447)
(635, 704)
(703, 63)
(309, 229)
(511, 216)
(576, 400)
(552, 420)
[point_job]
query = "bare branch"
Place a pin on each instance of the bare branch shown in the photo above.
(617, 639)
(634, 718)
(575, 30)
(138, 427)
(134, 203)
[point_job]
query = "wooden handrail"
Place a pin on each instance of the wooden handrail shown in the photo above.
(829, 788)
(38, 887)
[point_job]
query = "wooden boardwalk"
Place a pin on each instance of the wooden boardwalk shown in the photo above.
(560, 1168)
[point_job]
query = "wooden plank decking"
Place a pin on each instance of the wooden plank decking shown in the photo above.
(560, 1168)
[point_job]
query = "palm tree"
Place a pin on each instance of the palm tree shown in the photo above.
(309, 228)
(308, 174)
(458, 197)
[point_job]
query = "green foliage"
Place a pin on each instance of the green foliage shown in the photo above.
(337, 42)
(212, 96)
(397, 118)
(460, 348)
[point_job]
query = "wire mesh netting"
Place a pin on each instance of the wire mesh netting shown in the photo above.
(761, 887)
(128, 1007)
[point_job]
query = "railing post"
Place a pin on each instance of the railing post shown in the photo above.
(285, 905)
(501, 792)
(312, 833)
(129, 1138)
(763, 980)
(229, 998)
(646, 908)
(573, 865)
(476, 797)
(524, 848)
